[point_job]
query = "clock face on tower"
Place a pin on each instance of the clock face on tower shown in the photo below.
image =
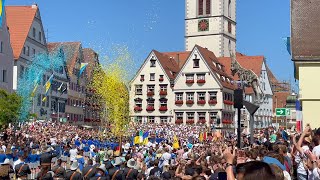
(203, 25)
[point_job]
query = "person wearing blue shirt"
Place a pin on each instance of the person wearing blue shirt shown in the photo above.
(2, 156)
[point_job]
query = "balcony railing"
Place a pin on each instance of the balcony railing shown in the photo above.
(150, 108)
(201, 102)
(213, 102)
(201, 81)
(179, 102)
(163, 108)
(189, 102)
(163, 93)
(189, 81)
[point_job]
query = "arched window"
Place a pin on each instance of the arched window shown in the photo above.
(200, 7)
(229, 8)
(208, 7)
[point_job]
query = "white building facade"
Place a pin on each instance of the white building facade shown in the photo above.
(211, 24)
(151, 92)
(6, 57)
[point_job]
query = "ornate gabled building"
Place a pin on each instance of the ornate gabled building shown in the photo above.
(183, 87)
(263, 116)
(151, 90)
(76, 93)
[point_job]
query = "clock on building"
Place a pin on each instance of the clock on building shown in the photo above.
(203, 25)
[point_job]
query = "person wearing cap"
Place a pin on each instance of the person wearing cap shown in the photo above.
(73, 174)
(22, 169)
(116, 172)
(130, 171)
(5, 170)
(101, 173)
(59, 171)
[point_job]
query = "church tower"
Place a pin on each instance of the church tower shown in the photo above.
(211, 24)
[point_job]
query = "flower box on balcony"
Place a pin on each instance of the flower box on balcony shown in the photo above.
(211, 122)
(179, 102)
(213, 102)
(150, 108)
(161, 79)
(201, 81)
(163, 108)
(190, 121)
(137, 108)
(142, 79)
(202, 121)
(201, 102)
(163, 93)
(190, 102)
(179, 121)
(150, 93)
(228, 102)
(189, 81)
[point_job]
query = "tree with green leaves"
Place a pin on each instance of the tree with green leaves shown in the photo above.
(10, 104)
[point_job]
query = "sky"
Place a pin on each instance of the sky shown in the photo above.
(143, 25)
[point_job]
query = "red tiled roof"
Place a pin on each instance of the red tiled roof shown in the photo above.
(70, 49)
(169, 65)
(210, 59)
(179, 57)
(280, 99)
(272, 78)
(89, 56)
(19, 21)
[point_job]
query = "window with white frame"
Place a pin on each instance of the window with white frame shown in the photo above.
(213, 116)
(229, 8)
(196, 63)
(201, 96)
(150, 102)
(179, 115)
(139, 119)
(190, 96)
(152, 76)
(201, 115)
(138, 102)
(163, 102)
(190, 116)
(152, 63)
(189, 77)
(164, 119)
(179, 96)
(151, 119)
(201, 77)
(138, 89)
(163, 87)
(150, 88)
(212, 95)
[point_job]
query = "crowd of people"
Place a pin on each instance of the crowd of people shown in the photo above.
(41, 150)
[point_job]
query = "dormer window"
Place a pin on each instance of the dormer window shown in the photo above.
(152, 63)
(196, 63)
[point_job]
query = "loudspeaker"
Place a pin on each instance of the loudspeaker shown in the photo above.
(238, 98)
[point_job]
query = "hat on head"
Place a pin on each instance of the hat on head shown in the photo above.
(117, 161)
(102, 167)
(74, 166)
(131, 163)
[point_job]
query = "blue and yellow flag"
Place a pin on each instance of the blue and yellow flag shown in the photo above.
(82, 68)
(1, 11)
(48, 84)
(36, 84)
(145, 138)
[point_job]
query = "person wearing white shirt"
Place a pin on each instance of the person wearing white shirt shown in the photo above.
(73, 153)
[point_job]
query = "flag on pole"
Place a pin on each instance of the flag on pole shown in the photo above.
(136, 139)
(299, 117)
(60, 87)
(44, 99)
(64, 89)
(205, 136)
(82, 68)
(48, 84)
(145, 138)
(175, 142)
(2, 10)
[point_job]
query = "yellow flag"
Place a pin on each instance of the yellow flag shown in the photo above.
(175, 142)
(201, 137)
(44, 99)
(146, 141)
(136, 140)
